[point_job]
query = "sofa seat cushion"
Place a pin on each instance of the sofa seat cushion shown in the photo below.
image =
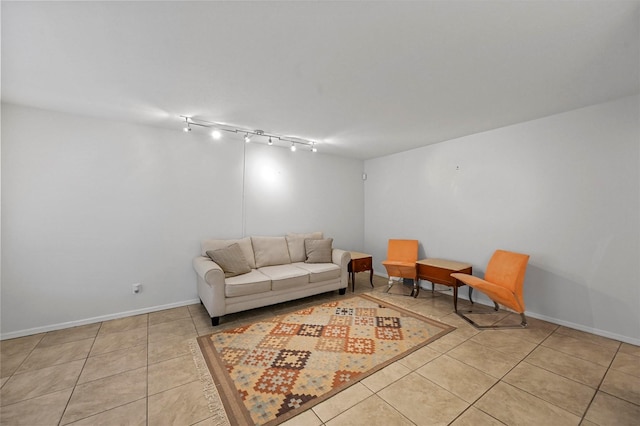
(249, 283)
(320, 271)
(285, 276)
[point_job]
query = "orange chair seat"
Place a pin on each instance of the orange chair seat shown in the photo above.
(400, 269)
(495, 292)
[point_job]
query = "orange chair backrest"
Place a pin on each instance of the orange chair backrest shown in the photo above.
(402, 250)
(507, 269)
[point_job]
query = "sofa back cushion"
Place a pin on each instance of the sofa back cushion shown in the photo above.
(318, 251)
(295, 242)
(270, 251)
(244, 243)
(231, 260)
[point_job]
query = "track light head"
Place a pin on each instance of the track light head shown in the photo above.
(313, 147)
(247, 138)
(270, 141)
(187, 128)
(293, 147)
(216, 134)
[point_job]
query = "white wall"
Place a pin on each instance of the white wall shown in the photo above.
(293, 191)
(564, 189)
(91, 206)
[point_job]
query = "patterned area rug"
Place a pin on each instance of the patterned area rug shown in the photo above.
(270, 371)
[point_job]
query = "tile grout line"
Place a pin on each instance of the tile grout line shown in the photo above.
(472, 404)
(73, 391)
(604, 377)
(500, 380)
(111, 375)
(16, 371)
(597, 389)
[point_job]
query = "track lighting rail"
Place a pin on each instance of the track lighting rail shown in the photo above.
(248, 133)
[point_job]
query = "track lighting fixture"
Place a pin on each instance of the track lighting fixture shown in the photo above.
(218, 128)
(187, 128)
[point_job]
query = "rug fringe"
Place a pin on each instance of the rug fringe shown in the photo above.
(208, 387)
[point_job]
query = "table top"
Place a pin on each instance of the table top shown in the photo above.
(358, 255)
(452, 265)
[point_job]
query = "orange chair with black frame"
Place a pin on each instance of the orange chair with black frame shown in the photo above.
(502, 283)
(402, 256)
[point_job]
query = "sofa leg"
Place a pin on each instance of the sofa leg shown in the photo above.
(215, 321)
(342, 291)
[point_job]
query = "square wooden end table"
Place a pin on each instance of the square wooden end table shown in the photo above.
(360, 262)
(439, 271)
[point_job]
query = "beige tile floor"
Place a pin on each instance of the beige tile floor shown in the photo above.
(139, 371)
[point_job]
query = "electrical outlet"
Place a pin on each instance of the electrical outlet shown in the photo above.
(137, 288)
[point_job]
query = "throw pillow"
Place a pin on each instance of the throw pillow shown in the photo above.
(244, 243)
(296, 245)
(318, 251)
(231, 260)
(270, 251)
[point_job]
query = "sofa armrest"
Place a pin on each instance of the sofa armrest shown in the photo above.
(210, 286)
(208, 270)
(342, 259)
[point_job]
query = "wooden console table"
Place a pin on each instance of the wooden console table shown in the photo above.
(360, 262)
(439, 271)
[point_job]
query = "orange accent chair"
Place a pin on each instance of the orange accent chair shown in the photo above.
(502, 283)
(402, 256)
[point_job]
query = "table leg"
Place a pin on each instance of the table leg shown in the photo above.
(416, 287)
(353, 282)
(455, 298)
(470, 291)
(371, 277)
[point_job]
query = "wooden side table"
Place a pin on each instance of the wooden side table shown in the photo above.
(360, 262)
(439, 271)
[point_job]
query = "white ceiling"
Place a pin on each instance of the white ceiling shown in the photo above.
(365, 79)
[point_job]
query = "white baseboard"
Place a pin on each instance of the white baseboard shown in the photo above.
(60, 326)
(569, 324)
(580, 327)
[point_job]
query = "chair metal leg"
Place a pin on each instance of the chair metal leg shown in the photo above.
(414, 292)
(389, 285)
(523, 323)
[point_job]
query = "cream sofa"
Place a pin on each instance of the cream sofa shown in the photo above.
(278, 270)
